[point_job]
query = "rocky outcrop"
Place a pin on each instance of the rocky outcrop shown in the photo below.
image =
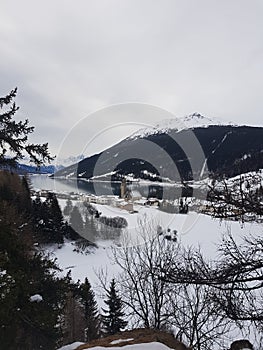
(137, 336)
(242, 344)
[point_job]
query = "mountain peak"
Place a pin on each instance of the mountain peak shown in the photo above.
(196, 116)
(60, 161)
(198, 120)
(193, 120)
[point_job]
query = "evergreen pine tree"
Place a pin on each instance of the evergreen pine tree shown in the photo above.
(14, 136)
(54, 210)
(37, 203)
(92, 325)
(25, 198)
(113, 320)
(53, 223)
(37, 208)
(25, 272)
(48, 220)
(70, 233)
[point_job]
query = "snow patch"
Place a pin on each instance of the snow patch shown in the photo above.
(2, 273)
(36, 298)
(72, 346)
(81, 174)
(245, 156)
(102, 175)
(118, 341)
(143, 346)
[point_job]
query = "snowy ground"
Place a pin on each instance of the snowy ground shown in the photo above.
(145, 346)
(193, 229)
(72, 346)
(196, 230)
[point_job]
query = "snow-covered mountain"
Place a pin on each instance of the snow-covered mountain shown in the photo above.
(64, 162)
(56, 165)
(195, 120)
(177, 150)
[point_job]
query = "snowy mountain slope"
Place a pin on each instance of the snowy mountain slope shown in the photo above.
(191, 121)
(176, 155)
(64, 162)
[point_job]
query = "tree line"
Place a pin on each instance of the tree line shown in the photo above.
(39, 309)
(66, 311)
(85, 219)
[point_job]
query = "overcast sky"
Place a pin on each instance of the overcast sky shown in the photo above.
(71, 58)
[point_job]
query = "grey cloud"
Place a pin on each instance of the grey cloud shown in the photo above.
(70, 58)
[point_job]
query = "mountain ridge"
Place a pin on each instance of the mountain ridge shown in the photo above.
(190, 121)
(227, 149)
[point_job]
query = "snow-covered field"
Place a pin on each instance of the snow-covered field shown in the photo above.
(194, 229)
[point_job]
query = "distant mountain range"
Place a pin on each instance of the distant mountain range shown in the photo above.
(64, 162)
(25, 168)
(176, 150)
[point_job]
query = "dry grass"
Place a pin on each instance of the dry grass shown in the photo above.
(139, 336)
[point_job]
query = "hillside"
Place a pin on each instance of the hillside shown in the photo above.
(169, 153)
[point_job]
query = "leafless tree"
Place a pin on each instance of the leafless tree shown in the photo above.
(235, 279)
(154, 303)
(198, 321)
(146, 296)
(234, 282)
(237, 198)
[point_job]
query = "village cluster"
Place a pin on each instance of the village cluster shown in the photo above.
(129, 200)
